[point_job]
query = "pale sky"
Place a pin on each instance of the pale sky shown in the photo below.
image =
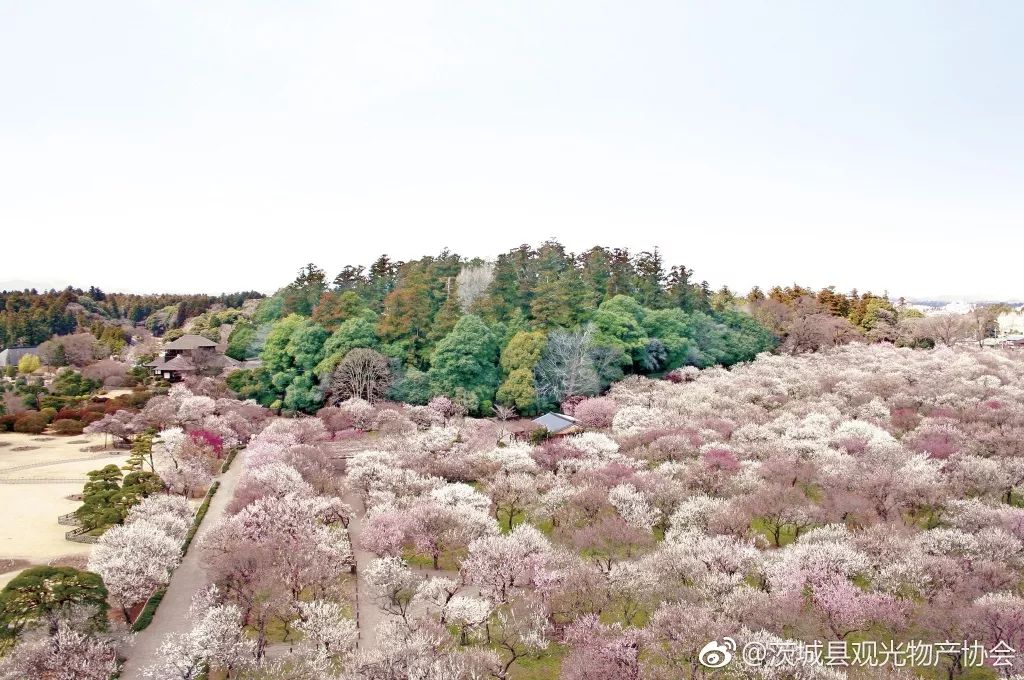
(211, 146)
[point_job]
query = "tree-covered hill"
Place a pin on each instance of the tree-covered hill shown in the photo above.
(529, 330)
(30, 317)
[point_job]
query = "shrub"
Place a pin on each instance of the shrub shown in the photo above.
(31, 422)
(108, 372)
(28, 364)
(91, 417)
(336, 419)
(69, 414)
(71, 383)
(7, 422)
(208, 439)
(58, 402)
(68, 426)
(539, 435)
(227, 461)
(49, 414)
(134, 399)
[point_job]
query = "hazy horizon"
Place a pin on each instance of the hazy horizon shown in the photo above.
(21, 284)
(207, 147)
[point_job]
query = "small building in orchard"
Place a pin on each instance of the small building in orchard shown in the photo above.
(558, 424)
(189, 355)
(176, 368)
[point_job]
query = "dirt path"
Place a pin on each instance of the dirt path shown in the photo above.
(188, 579)
(45, 480)
(370, 615)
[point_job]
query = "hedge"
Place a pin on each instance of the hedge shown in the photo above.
(227, 461)
(146, 615)
(200, 514)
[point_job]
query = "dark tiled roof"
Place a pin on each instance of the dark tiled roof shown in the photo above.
(187, 342)
(178, 363)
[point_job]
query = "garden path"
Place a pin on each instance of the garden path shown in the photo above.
(188, 579)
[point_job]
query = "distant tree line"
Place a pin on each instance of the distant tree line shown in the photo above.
(807, 320)
(30, 317)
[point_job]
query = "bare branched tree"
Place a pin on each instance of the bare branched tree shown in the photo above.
(503, 414)
(363, 373)
(984, 323)
(566, 368)
(946, 329)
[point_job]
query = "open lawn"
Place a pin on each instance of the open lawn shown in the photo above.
(35, 483)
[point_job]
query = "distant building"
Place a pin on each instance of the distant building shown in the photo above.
(935, 309)
(1014, 341)
(190, 354)
(11, 355)
(558, 423)
(1011, 323)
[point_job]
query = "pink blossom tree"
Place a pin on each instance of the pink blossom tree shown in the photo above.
(847, 609)
(66, 654)
(596, 413)
(497, 564)
(600, 652)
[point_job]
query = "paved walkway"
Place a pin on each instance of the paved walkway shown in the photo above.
(369, 615)
(188, 579)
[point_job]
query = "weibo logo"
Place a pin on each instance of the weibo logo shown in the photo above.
(717, 654)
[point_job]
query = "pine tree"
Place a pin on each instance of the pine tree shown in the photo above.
(304, 292)
(141, 454)
(550, 307)
(596, 273)
(407, 313)
(622, 276)
(650, 280)
(382, 280)
(351, 278)
(447, 316)
(684, 294)
(513, 284)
